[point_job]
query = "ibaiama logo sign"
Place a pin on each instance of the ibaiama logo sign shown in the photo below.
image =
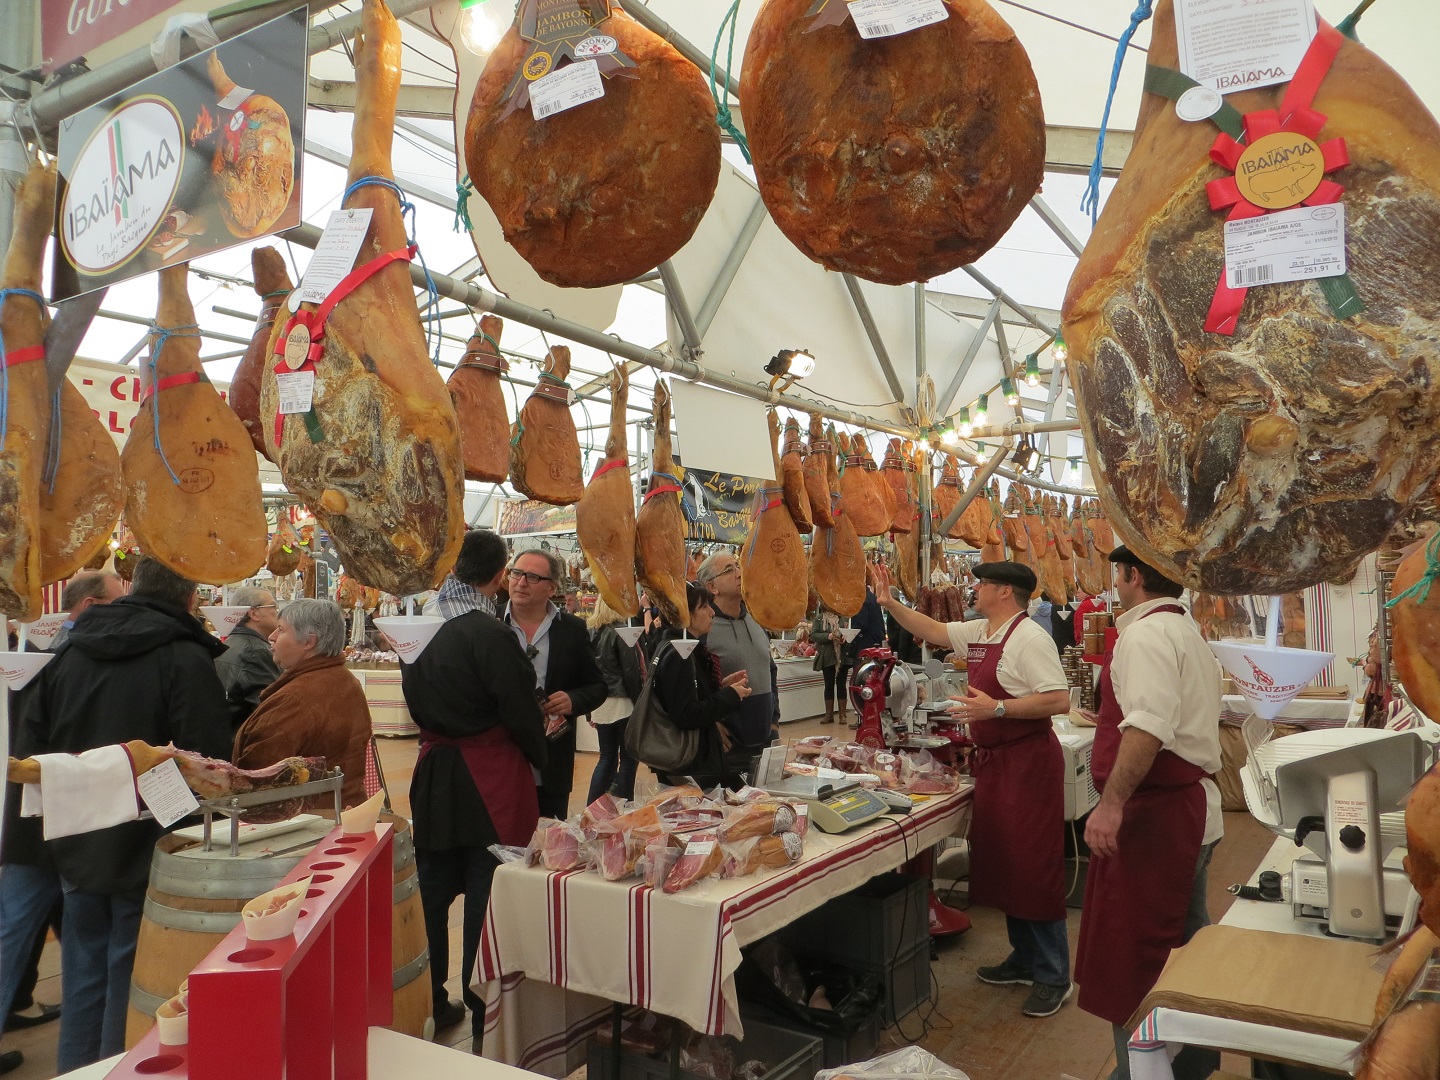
(120, 187)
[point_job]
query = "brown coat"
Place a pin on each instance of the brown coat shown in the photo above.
(315, 709)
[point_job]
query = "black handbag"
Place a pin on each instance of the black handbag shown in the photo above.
(651, 738)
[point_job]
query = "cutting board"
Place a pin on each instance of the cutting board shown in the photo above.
(1322, 986)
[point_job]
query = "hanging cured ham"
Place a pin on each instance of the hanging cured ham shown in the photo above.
(192, 488)
(254, 164)
(608, 190)
(1415, 630)
(1086, 579)
(1104, 536)
(819, 459)
(862, 490)
(774, 569)
(792, 468)
(273, 284)
(479, 402)
(660, 525)
(282, 557)
(837, 557)
(544, 445)
(377, 458)
(1261, 441)
(895, 475)
(870, 168)
(605, 516)
(1017, 539)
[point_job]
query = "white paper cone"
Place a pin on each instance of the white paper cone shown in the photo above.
(1269, 678)
(43, 630)
(850, 633)
(277, 924)
(684, 646)
(224, 617)
(409, 633)
(20, 667)
(629, 634)
(361, 819)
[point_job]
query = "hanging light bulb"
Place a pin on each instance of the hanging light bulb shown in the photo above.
(1012, 396)
(482, 24)
(947, 432)
(1074, 476)
(965, 428)
(1059, 350)
(982, 411)
(1032, 370)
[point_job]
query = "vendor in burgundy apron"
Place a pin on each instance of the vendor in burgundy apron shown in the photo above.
(1017, 829)
(1158, 736)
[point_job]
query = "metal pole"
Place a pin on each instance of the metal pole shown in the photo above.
(947, 399)
(675, 297)
(642, 14)
(15, 46)
(919, 337)
(877, 343)
(730, 267)
(977, 484)
(1024, 427)
(479, 299)
(1058, 227)
(1010, 302)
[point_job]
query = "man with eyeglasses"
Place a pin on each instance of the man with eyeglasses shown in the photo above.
(568, 681)
(741, 645)
(247, 666)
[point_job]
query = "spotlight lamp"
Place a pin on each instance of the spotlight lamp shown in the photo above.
(791, 363)
(1026, 457)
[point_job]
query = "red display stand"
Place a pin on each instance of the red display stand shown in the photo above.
(301, 1006)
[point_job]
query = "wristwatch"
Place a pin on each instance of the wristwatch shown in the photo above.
(999, 709)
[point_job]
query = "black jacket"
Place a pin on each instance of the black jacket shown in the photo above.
(24, 843)
(619, 663)
(472, 676)
(571, 668)
(690, 692)
(134, 669)
(246, 667)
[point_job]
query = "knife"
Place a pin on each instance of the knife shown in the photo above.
(67, 329)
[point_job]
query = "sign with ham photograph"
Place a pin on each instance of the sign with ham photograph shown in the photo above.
(527, 517)
(723, 505)
(192, 160)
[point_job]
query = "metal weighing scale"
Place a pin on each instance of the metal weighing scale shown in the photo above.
(834, 805)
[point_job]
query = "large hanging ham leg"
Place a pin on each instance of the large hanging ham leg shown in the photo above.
(544, 445)
(863, 491)
(26, 415)
(605, 516)
(191, 484)
(479, 402)
(819, 460)
(81, 502)
(273, 284)
(1279, 455)
(774, 570)
(838, 559)
(796, 491)
(384, 478)
(660, 525)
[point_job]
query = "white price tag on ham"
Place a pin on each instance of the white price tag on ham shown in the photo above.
(574, 84)
(887, 18)
(296, 390)
(1289, 245)
(335, 254)
(235, 98)
(166, 794)
(1231, 45)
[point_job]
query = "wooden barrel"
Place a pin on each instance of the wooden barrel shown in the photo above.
(195, 897)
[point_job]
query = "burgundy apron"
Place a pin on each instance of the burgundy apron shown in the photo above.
(502, 776)
(1017, 824)
(1137, 899)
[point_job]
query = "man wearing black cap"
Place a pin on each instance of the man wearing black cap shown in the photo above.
(1158, 736)
(1017, 828)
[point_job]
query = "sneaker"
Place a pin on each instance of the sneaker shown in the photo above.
(1045, 1000)
(1010, 973)
(448, 1014)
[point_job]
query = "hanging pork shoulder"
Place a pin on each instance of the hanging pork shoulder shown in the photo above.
(863, 491)
(836, 556)
(774, 569)
(660, 525)
(282, 557)
(870, 167)
(479, 402)
(606, 191)
(377, 457)
(894, 474)
(273, 284)
(192, 488)
(792, 467)
(819, 458)
(605, 515)
(544, 445)
(1261, 441)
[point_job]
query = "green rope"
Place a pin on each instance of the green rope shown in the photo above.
(1347, 25)
(462, 206)
(1420, 591)
(722, 100)
(273, 293)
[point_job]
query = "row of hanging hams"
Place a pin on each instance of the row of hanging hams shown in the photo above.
(866, 168)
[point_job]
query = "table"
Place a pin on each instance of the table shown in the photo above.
(1164, 1029)
(559, 947)
(389, 715)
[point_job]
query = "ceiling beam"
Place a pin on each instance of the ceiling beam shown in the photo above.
(1072, 149)
(975, 307)
(423, 102)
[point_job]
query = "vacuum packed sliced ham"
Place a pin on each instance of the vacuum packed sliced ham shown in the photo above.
(1277, 456)
(605, 516)
(894, 158)
(378, 461)
(192, 487)
(608, 190)
(544, 445)
(479, 402)
(660, 525)
(774, 568)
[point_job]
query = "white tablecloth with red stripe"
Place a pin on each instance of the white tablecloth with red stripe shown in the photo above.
(605, 941)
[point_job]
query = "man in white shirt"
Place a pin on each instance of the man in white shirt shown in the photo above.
(1157, 738)
(1017, 828)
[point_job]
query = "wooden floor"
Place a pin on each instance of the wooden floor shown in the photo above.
(972, 1026)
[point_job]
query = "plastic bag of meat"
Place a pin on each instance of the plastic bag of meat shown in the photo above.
(603, 809)
(668, 798)
(851, 757)
(923, 775)
(505, 854)
(659, 859)
(802, 820)
(812, 745)
(689, 820)
(760, 853)
(757, 819)
(909, 1062)
(700, 859)
(743, 795)
(561, 848)
(535, 850)
(887, 766)
(640, 817)
(608, 855)
(707, 1056)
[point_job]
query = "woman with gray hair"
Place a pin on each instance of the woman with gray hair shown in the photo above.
(315, 708)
